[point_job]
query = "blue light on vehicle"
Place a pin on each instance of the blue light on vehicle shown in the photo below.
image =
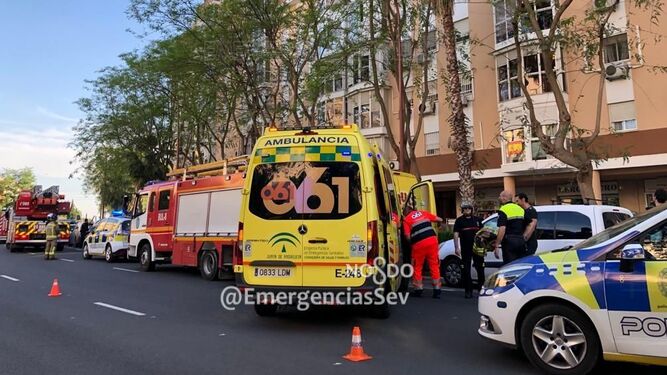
(347, 153)
(117, 213)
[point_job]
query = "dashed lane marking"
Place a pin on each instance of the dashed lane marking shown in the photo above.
(125, 269)
(9, 278)
(118, 308)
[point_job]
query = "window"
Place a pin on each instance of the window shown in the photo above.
(362, 116)
(278, 192)
(432, 142)
(546, 222)
(125, 227)
(163, 203)
(515, 148)
(573, 226)
(504, 13)
(491, 223)
(360, 69)
(612, 218)
(503, 20)
(624, 125)
(623, 116)
(654, 242)
(508, 81)
(535, 77)
(536, 147)
(151, 202)
(616, 49)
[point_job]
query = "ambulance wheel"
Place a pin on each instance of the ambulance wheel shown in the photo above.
(60, 247)
(108, 254)
(145, 262)
(266, 309)
(451, 271)
(208, 265)
(560, 340)
(85, 252)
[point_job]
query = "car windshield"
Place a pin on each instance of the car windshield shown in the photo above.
(617, 229)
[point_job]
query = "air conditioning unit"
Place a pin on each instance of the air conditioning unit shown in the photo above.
(616, 71)
(393, 164)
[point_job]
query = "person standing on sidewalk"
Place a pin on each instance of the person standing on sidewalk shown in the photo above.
(465, 228)
(510, 229)
(424, 243)
(529, 222)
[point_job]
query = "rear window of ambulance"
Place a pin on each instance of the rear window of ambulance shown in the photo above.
(317, 190)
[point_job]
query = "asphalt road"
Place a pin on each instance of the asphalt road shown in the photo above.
(186, 331)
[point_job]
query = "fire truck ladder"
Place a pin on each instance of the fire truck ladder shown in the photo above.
(216, 168)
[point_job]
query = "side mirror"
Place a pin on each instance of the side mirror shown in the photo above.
(633, 252)
(630, 254)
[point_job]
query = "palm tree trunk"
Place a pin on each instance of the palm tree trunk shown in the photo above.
(457, 119)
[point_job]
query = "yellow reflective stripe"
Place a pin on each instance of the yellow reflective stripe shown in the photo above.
(573, 282)
(645, 359)
(512, 211)
(656, 283)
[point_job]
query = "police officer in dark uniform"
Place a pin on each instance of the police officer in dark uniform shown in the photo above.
(510, 229)
(530, 223)
(465, 228)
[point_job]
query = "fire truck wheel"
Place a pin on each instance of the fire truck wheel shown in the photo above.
(145, 262)
(85, 252)
(108, 254)
(208, 265)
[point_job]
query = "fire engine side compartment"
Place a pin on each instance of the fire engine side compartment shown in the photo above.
(206, 218)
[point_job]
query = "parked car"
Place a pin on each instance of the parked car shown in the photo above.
(109, 238)
(558, 226)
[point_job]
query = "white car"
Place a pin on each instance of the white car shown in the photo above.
(109, 238)
(558, 226)
(604, 298)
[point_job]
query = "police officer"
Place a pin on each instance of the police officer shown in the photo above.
(51, 237)
(465, 228)
(424, 243)
(510, 229)
(529, 223)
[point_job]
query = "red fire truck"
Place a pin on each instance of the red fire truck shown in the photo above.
(4, 225)
(27, 218)
(190, 220)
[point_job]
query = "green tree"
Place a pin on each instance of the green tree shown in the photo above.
(12, 181)
(579, 38)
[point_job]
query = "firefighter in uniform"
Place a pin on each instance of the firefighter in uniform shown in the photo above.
(51, 237)
(510, 229)
(424, 243)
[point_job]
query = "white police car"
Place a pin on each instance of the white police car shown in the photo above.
(604, 298)
(109, 238)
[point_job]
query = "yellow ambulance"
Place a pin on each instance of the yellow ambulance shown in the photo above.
(319, 206)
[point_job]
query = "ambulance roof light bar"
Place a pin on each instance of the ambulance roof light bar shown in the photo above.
(308, 129)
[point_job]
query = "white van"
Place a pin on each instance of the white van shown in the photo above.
(558, 226)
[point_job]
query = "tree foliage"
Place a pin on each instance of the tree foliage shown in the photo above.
(580, 37)
(12, 181)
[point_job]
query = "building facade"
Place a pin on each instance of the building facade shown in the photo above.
(507, 156)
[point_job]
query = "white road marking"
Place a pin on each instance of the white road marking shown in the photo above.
(66, 260)
(125, 269)
(127, 311)
(9, 278)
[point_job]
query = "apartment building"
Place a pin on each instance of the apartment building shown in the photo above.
(507, 156)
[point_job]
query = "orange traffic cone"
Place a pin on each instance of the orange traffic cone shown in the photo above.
(356, 350)
(55, 289)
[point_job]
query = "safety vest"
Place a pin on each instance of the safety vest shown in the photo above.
(51, 231)
(515, 215)
(420, 227)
